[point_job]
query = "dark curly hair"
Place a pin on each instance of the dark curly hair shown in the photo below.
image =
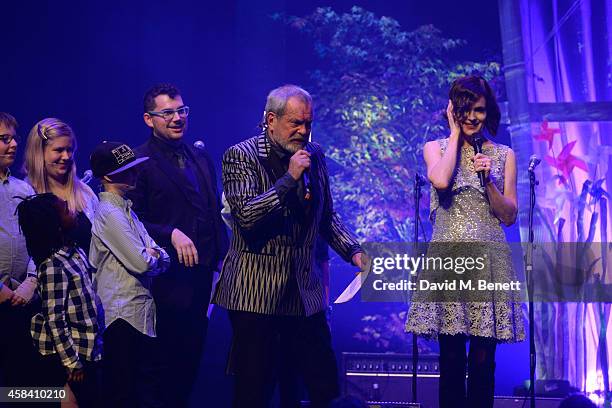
(40, 222)
(156, 90)
(465, 91)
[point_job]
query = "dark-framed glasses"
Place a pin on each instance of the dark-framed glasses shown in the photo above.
(7, 139)
(168, 114)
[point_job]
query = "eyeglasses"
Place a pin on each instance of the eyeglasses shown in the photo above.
(168, 114)
(7, 139)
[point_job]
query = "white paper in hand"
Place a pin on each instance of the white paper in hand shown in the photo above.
(351, 290)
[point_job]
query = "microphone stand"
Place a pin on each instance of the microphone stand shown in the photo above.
(603, 353)
(529, 272)
(418, 183)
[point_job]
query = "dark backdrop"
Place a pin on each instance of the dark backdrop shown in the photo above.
(89, 63)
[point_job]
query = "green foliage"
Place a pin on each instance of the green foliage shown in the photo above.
(379, 94)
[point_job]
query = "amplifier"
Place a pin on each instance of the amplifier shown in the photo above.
(523, 402)
(389, 363)
(387, 378)
(306, 404)
(385, 381)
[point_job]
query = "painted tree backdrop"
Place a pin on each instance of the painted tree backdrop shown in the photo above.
(379, 95)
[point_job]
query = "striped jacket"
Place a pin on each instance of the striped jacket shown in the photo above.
(272, 246)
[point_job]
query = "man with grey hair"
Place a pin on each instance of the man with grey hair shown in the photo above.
(278, 192)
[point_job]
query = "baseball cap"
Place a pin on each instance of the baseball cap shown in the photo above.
(110, 158)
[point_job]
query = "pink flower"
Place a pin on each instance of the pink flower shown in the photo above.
(565, 162)
(547, 133)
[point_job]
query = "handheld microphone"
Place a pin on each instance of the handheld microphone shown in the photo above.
(477, 142)
(306, 177)
(87, 176)
(533, 163)
(198, 144)
(307, 191)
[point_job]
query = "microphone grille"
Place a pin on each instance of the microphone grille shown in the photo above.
(478, 139)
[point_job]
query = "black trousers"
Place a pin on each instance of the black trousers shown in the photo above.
(259, 341)
(480, 363)
(130, 368)
(289, 379)
(19, 359)
(181, 298)
(20, 362)
(290, 385)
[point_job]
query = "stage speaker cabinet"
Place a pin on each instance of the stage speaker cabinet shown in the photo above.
(306, 404)
(387, 378)
(523, 402)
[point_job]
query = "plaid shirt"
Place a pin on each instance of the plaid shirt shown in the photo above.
(67, 323)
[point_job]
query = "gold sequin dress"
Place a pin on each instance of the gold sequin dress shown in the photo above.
(462, 214)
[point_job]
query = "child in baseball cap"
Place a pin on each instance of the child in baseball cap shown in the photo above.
(127, 259)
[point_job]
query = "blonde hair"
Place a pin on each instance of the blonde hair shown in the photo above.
(34, 164)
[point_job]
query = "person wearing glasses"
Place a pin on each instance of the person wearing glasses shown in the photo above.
(177, 200)
(17, 271)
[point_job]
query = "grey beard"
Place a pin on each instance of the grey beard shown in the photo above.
(291, 147)
(286, 146)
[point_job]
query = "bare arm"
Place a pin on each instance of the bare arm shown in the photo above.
(440, 167)
(504, 205)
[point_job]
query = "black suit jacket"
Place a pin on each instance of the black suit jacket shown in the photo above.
(165, 199)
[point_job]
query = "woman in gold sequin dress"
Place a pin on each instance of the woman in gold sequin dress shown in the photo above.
(466, 212)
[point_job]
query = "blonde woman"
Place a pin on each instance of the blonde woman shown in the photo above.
(50, 167)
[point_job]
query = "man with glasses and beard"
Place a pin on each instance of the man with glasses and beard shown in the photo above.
(177, 200)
